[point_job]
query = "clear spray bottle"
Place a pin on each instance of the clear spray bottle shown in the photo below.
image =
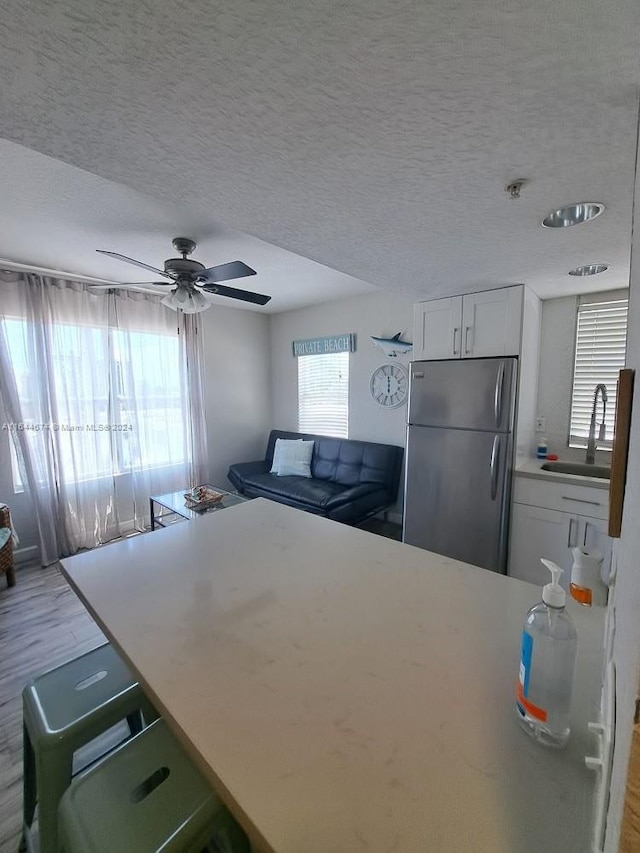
(545, 678)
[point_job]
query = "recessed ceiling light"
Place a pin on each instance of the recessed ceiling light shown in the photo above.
(589, 269)
(573, 214)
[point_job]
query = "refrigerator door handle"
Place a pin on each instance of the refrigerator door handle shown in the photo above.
(494, 465)
(497, 397)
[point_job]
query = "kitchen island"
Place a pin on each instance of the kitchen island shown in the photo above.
(342, 691)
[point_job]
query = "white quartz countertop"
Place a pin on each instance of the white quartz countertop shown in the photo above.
(533, 468)
(344, 692)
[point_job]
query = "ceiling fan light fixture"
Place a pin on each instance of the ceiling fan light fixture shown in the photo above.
(185, 299)
(170, 301)
(573, 214)
(189, 302)
(589, 269)
(200, 301)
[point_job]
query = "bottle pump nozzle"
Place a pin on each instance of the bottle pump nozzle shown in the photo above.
(552, 593)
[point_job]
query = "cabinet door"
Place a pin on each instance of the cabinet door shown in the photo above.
(492, 323)
(437, 329)
(594, 533)
(536, 533)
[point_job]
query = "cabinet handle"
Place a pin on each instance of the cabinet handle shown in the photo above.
(584, 538)
(467, 348)
(581, 501)
(455, 335)
(570, 536)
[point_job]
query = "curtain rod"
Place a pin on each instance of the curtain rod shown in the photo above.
(14, 266)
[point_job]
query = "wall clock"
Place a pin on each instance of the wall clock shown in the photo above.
(389, 385)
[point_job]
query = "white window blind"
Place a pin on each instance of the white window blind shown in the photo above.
(600, 354)
(323, 394)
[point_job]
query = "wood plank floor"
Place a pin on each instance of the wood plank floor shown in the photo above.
(42, 624)
(630, 839)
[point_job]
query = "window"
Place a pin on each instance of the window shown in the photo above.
(600, 355)
(118, 398)
(323, 394)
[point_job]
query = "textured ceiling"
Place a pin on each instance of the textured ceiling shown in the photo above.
(55, 216)
(374, 137)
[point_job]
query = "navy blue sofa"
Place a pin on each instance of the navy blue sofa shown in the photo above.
(351, 480)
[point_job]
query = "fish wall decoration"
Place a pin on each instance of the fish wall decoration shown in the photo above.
(392, 347)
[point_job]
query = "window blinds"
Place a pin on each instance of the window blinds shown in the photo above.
(600, 355)
(323, 394)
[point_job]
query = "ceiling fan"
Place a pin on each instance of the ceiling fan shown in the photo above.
(189, 278)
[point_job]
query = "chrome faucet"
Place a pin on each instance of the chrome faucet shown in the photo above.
(591, 444)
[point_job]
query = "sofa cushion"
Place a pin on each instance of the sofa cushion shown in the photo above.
(351, 462)
(364, 501)
(311, 492)
(277, 452)
(295, 458)
(239, 472)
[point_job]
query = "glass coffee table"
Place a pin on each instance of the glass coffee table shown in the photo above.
(172, 507)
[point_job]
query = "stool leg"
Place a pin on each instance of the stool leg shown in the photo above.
(148, 711)
(11, 576)
(136, 723)
(54, 777)
(236, 838)
(228, 836)
(28, 784)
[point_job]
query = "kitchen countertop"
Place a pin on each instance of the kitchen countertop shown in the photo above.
(533, 468)
(343, 691)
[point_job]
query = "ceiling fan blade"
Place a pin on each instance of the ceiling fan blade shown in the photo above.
(135, 263)
(225, 272)
(138, 286)
(235, 293)
(133, 284)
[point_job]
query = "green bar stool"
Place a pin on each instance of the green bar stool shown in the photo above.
(146, 797)
(63, 710)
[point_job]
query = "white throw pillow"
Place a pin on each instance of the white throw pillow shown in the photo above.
(277, 450)
(295, 459)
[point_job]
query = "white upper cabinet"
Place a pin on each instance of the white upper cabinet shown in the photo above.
(472, 326)
(437, 328)
(492, 323)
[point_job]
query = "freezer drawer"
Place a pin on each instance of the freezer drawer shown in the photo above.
(457, 485)
(465, 394)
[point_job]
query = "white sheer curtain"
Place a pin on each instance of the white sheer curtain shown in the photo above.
(193, 381)
(99, 390)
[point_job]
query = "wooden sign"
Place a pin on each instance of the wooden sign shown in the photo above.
(624, 403)
(324, 346)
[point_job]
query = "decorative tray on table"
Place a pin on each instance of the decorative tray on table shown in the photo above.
(202, 497)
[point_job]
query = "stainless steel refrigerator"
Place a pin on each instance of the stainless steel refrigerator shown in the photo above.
(459, 458)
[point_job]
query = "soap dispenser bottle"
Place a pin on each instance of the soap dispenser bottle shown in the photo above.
(545, 678)
(586, 584)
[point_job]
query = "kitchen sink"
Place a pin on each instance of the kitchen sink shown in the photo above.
(579, 468)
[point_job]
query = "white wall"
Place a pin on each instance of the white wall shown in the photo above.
(237, 388)
(555, 377)
(625, 601)
(380, 314)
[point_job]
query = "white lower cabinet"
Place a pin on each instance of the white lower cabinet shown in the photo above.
(540, 532)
